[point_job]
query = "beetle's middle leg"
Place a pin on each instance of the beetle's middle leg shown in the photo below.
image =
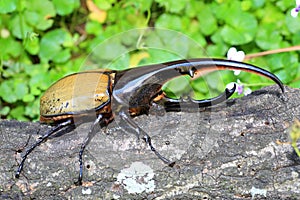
(86, 141)
(145, 136)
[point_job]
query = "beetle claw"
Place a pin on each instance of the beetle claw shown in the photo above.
(171, 164)
(78, 182)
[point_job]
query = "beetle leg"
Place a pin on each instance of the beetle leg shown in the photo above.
(175, 104)
(41, 140)
(91, 134)
(146, 137)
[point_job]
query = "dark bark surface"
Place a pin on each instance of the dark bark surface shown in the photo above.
(235, 150)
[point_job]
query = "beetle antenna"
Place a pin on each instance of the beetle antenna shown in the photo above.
(41, 140)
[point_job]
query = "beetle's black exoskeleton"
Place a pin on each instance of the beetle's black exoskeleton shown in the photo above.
(125, 93)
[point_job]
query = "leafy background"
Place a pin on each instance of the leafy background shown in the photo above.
(42, 41)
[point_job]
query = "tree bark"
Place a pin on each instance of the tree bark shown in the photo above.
(235, 150)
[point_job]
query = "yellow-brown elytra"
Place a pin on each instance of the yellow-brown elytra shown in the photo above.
(126, 93)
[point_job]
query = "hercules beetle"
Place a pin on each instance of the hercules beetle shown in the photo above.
(125, 93)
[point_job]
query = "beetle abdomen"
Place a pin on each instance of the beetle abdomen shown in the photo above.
(76, 93)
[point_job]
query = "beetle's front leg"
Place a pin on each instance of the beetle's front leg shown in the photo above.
(40, 141)
(125, 117)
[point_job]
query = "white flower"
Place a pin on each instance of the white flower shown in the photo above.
(235, 55)
(240, 89)
(295, 11)
(231, 85)
(247, 91)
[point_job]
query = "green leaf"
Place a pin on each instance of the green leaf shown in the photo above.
(295, 84)
(62, 56)
(7, 6)
(35, 91)
(4, 111)
(176, 87)
(240, 29)
(19, 27)
(281, 61)
(51, 44)
(173, 6)
(38, 13)
(246, 5)
(109, 51)
(296, 38)
(169, 21)
(207, 21)
(39, 81)
(215, 81)
(28, 98)
(196, 49)
(6, 91)
(200, 87)
(32, 45)
(174, 42)
(12, 48)
(192, 8)
(93, 27)
(65, 7)
(20, 89)
(283, 75)
(267, 37)
(35, 69)
(217, 50)
(271, 14)
(285, 4)
(107, 4)
(13, 70)
(32, 110)
(292, 23)
(161, 55)
(258, 3)
(17, 113)
(285, 66)
(275, 62)
(142, 4)
(120, 63)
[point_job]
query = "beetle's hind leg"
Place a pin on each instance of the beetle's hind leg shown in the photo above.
(41, 140)
(177, 104)
(145, 136)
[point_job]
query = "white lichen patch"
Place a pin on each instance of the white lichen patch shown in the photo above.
(256, 191)
(86, 191)
(137, 178)
(295, 175)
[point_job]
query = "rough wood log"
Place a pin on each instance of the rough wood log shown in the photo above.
(236, 150)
